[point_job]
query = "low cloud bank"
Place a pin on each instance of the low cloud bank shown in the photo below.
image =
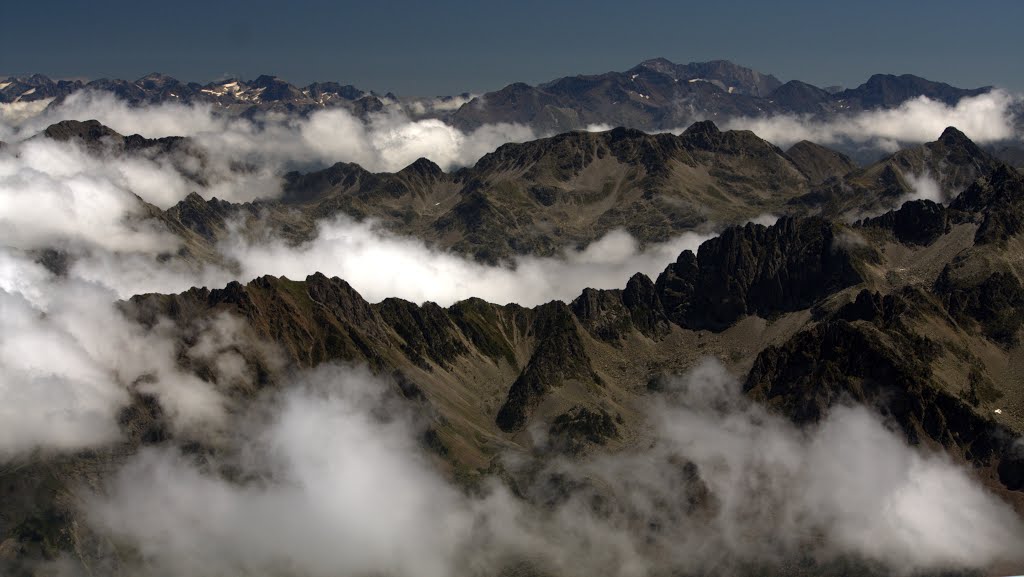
(984, 118)
(336, 485)
(381, 265)
(59, 196)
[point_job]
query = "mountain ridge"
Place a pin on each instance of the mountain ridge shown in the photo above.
(656, 94)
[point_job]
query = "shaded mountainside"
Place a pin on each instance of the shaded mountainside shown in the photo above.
(936, 170)
(799, 282)
(924, 328)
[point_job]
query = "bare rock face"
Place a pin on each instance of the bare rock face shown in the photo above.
(868, 354)
(755, 270)
(573, 430)
(999, 200)
(88, 131)
(996, 303)
(918, 222)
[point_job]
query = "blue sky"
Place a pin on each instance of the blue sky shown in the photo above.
(450, 46)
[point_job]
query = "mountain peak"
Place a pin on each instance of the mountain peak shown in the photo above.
(702, 127)
(424, 167)
(88, 131)
(159, 76)
(156, 80)
(266, 80)
(952, 136)
(663, 65)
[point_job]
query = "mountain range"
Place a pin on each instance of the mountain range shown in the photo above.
(825, 284)
(865, 291)
(654, 95)
(658, 95)
(536, 198)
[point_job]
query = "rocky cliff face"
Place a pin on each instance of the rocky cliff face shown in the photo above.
(758, 270)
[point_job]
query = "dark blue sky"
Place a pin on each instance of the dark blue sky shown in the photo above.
(450, 46)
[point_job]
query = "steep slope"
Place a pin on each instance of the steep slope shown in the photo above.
(818, 162)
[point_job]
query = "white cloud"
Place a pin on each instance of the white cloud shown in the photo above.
(984, 118)
(923, 187)
(54, 191)
(380, 265)
(422, 106)
(69, 358)
(273, 143)
(336, 480)
(15, 113)
(849, 479)
(340, 492)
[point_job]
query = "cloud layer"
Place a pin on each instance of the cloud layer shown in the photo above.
(273, 143)
(336, 488)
